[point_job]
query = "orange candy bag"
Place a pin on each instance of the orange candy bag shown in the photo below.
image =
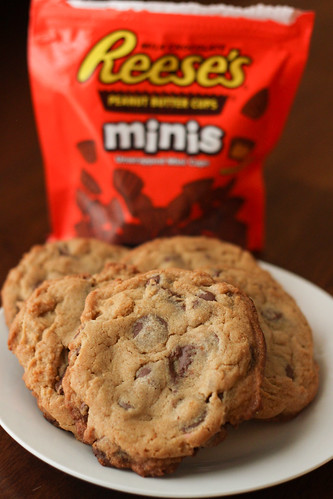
(155, 119)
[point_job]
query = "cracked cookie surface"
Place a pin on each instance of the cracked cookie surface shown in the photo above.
(53, 260)
(189, 252)
(161, 363)
(291, 374)
(42, 330)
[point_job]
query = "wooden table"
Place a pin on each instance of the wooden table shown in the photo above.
(299, 235)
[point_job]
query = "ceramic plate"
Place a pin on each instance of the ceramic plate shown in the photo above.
(255, 456)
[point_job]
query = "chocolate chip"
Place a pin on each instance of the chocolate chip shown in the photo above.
(125, 405)
(153, 280)
(174, 260)
(58, 387)
(253, 358)
(63, 364)
(271, 314)
(208, 296)
(142, 372)
(190, 427)
(63, 250)
(138, 325)
(149, 331)
(90, 183)
(51, 420)
(77, 350)
(215, 272)
(101, 456)
(195, 303)
(122, 456)
(180, 360)
(290, 371)
(84, 411)
(88, 150)
(208, 398)
(256, 106)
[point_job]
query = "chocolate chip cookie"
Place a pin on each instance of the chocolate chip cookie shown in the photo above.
(41, 331)
(189, 252)
(291, 374)
(52, 260)
(161, 363)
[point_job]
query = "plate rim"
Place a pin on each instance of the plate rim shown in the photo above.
(156, 492)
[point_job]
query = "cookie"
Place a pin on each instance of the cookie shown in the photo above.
(188, 252)
(41, 331)
(162, 362)
(53, 260)
(291, 374)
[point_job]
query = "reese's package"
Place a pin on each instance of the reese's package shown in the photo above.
(155, 118)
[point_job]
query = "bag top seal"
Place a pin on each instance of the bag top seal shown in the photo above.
(282, 14)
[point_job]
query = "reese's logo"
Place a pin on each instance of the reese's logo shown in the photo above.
(224, 70)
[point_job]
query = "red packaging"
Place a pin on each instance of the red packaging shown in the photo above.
(155, 123)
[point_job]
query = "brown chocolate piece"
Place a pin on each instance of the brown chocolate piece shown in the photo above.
(135, 233)
(125, 405)
(290, 371)
(154, 219)
(194, 424)
(180, 361)
(98, 215)
(141, 203)
(87, 149)
(240, 148)
(198, 209)
(127, 183)
(101, 457)
(196, 190)
(115, 212)
(256, 106)
(83, 201)
(149, 331)
(142, 372)
(179, 208)
(271, 314)
(208, 296)
(90, 183)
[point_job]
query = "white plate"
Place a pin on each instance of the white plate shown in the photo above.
(255, 456)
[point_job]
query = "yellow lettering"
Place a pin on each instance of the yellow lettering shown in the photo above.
(161, 69)
(226, 71)
(212, 66)
(204, 103)
(136, 63)
(237, 75)
(188, 71)
(101, 53)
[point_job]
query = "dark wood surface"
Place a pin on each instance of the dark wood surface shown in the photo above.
(299, 235)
